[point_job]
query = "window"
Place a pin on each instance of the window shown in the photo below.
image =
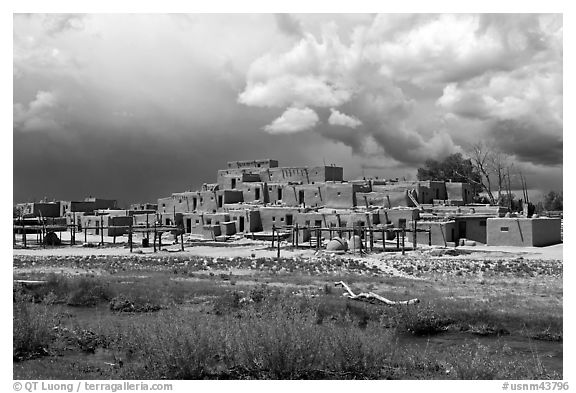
(217, 222)
(281, 218)
(197, 221)
(307, 222)
(273, 218)
(504, 229)
(163, 205)
(208, 221)
(483, 223)
(339, 193)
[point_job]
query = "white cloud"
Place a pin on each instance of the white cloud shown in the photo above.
(340, 119)
(393, 70)
(293, 120)
(39, 115)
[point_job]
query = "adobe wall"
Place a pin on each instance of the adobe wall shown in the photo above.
(274, 193)
(251, 220)
(430, 190)
(457, 191)
(314, 194)
(442, 232)
(302, 175)
(241, 175)
(277, 216)
(254, 192)
(476, 228)
(546, 231)
(229, 196)
(396, 193)
(120, 221)
(37, 209)
(513, 231)
(339, 195)
(264, 163)
(395, 216)
(189, 201)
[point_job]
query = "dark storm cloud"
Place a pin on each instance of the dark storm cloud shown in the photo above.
(139, 106)
(527, 142)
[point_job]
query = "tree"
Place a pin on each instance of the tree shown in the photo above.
(553, 201)
(495, 167)
(453, 168)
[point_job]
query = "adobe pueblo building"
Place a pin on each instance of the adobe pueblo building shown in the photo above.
(256, 198)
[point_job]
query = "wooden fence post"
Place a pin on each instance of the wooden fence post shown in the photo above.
(383, 240)
(154, 236)
(129, 236)
(24, 233)
(297, 235)
(430, 236)
(102, 230)
(182, 240)
(278, 254)
(273, 230)
(414, 237)
(403, 238)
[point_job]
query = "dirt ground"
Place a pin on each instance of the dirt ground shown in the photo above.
(261, 249)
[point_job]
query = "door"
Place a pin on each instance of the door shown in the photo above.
(241, 225)
(301, 197)
(233, 184)
(288, 219)
(462, 229)
(257, 195)
(219, 200)
(188, 225)
(279, 194)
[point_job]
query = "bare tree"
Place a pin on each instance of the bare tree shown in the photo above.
(494, 167)
(481, 157)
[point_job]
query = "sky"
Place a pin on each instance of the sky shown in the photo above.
(137, 106)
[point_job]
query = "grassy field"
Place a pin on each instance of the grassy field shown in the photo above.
(241, 318)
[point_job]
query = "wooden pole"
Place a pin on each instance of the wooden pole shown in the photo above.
(318, 237)
(353, 240)
(182, 240)
(383, 240)
(102, 230)
(371, 239)
(147, 226)
(297, 235)
(273, 230)
(397, 234)
(129, 236)
(24, 233)
(85, 235)
(154, 236)
(414, 238)
(278, 243)
(74, 229)
(160, 241)
(430, 236)
(403, 238)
